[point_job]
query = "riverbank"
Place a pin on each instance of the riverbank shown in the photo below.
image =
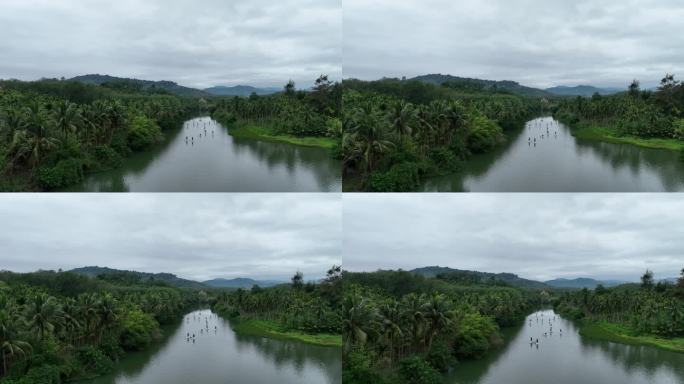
(257, 132)
(272, 330)
(621, 334)
(587, 131)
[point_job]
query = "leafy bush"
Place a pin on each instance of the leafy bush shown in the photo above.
(357, 370)
(415, 370)
(138, 329)
(65, 173)
(440, 356)
(475, 335)
(444, 159)
(484, 135)
(107, 157)
(402, 177)
(143, 132)
(94, 360)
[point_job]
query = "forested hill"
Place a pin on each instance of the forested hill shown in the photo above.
(240, 90)
(483, 85)
(481, 277)
(131, 277)
(582, 90)
(145, 85)
(240, 282)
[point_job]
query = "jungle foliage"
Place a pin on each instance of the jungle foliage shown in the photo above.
(52, 132)
(396, 132)
(60, 326)
(407, 328)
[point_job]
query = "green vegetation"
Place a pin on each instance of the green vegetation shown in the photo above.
(268, 134)
(619, 333)
(650, 314)
(402, 327)
(588, 131)
(53, 132)
(397, 132)
(304, 312)
(310, 118)
(61, 326)
(275, 330)
(643, 118)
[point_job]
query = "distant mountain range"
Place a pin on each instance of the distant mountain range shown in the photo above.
(174, 280)
(240, 90)
(487, 85)
(240, 282)
(582, 90)
(168, 278)
(508, 278)
(179, 90)
(169, 86)
(583, 282)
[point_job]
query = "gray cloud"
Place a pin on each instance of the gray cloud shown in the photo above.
(538, 236)
(536, 42)
(196, 236)
(200, 44)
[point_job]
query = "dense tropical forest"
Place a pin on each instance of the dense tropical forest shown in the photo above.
(403, 327)
(397, 132)
(301, 117)
(61, 326)
(53, 131)
(309, 312)
(652, 118)
(649, 313)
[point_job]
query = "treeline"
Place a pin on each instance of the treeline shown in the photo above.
(637, 113)
(646, 309)
(397, 132)
(304, 307)
(292, 112)
(405, 328)
(52, 132)
(60, 326)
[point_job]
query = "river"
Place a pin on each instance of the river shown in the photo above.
(218, 355)
(567, 358)
(218, 162)
(545, 157)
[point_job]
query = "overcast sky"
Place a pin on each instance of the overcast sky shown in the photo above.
(196, 236)
(537, 236)
(198, 43)
(538, 43)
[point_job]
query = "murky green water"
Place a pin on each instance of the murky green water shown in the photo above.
(567, 358)
(218, 162)
(217, 355)
(558, 162)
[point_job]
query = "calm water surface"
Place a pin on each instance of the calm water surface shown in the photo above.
(218, 355)
(567, 358)
(218, 162)
(545, 157)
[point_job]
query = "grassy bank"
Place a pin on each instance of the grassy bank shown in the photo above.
(620, 334)
(594, 132)
(251, 131)
(273, 330)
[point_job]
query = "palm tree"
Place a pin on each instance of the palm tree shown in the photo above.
(38, 138)
(401, 117)
(66, 115)
(10, 344)
(43, 313)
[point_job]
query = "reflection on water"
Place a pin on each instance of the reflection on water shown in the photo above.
(204, 349)
(202, 157)
(562, 356)
(545, 157)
